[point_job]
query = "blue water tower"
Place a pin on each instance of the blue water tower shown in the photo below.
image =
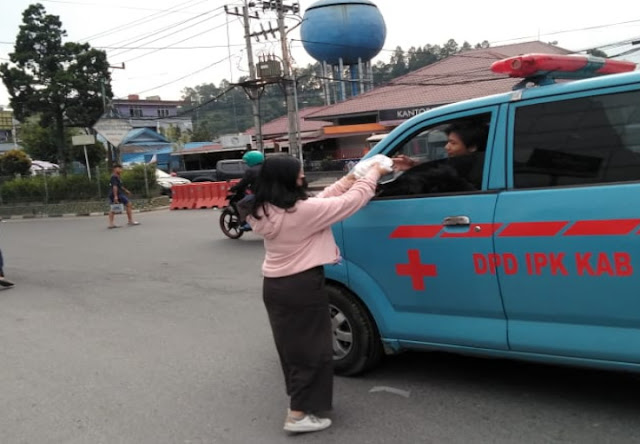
(344, 33)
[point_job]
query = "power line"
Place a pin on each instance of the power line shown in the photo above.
(145, 35)
(140, 21)
(180, 41)
(167, 47)
(341, 45)
(103, 5)
(625, 53)
(167, 28)
(587, 28)
(188, 75)
(633, 41)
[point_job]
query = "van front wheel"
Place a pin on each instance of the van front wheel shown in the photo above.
(356, 342)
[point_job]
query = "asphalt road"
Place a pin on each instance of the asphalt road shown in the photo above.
(157, 334)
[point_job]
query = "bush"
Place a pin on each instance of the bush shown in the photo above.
(14, 162)
(133, 180)
(23, 190)
(52, 189)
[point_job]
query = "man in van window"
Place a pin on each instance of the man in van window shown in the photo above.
(461, 171)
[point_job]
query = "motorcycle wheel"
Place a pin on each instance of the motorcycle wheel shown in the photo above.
(230, 224)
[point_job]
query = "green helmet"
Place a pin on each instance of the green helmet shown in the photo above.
(253, 158)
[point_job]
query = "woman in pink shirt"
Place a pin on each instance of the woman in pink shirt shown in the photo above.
(298, 242)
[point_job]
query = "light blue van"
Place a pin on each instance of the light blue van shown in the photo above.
(540, 261)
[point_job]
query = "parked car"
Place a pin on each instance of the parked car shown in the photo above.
(198, 175)
(540, 261)
(166, 181)
(41, 167)
(230, 169)
(225, 170)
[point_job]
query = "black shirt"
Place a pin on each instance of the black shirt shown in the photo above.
(115, 182)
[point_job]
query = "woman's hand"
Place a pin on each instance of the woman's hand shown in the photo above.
(403, 163)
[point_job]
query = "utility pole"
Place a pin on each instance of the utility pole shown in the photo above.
(114, 154)
(282, 9)
(286, 67)
(252, 67)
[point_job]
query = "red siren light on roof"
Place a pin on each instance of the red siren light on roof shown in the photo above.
(560, 66)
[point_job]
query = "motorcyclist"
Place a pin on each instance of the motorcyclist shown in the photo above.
(254, 160)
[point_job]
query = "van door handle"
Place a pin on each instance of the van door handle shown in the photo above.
(456, 220)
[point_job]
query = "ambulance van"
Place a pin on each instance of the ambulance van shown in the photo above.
(539, 261)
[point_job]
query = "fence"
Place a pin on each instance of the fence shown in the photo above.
(73, 193)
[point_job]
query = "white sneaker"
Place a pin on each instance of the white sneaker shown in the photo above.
(308, 423)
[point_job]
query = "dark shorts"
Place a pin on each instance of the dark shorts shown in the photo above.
(121, 199)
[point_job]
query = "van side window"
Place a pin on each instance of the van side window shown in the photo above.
(581, 141)
(426, 146)
(444, 158)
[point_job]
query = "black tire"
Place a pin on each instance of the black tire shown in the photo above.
(230, 224)
(350, 321)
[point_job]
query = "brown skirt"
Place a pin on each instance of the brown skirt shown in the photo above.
(298, 309)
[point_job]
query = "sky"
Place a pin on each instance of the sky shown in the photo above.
(167, 45)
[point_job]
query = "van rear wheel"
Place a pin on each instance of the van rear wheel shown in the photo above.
(356, 342)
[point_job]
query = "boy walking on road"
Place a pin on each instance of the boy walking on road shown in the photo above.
(117, 196)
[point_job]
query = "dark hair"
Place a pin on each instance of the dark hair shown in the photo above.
(277, 185)
(116, 165)
(470, 134)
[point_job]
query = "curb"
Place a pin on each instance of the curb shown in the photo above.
(66, 215)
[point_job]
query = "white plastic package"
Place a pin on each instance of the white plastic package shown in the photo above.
(362, 168)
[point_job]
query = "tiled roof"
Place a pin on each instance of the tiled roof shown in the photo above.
(280, 126)
(204, 147)
(459, 77)
(144, 136)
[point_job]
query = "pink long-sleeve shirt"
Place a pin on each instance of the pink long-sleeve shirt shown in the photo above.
(300, 238)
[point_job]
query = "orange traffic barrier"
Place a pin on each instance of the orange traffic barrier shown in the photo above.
(218, 198)
(223, 191)
(192, 195)
(201, 195)
(209, 199)
(179, 197)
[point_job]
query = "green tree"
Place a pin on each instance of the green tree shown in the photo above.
(201, 133)
(173, 133)
(421, 57)
(448, 49)
(466, 46)
(381, 73)
(398, 63)
(97, 154)
(59, 82)
(39, 143)
(310, 92)
(14, 162)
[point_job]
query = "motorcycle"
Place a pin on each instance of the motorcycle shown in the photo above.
(231, 224)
